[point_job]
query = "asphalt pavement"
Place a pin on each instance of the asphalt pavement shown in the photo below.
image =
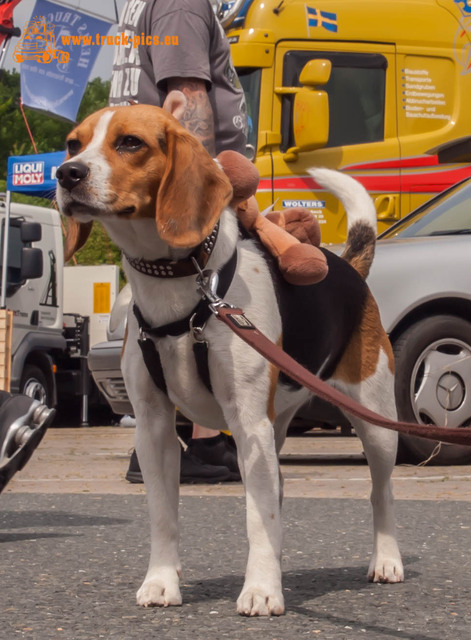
(72, 557)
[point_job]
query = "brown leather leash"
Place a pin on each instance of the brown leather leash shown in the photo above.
(236, 320)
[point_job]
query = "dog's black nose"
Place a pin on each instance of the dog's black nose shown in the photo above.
(70, 174)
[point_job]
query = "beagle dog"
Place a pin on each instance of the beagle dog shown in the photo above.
(159, 195)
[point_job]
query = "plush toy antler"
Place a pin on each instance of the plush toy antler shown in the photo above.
(291, 236)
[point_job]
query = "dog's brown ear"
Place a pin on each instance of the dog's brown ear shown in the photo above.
(76, 236)
(192, 193)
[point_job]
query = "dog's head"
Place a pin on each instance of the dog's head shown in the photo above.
(139, 162)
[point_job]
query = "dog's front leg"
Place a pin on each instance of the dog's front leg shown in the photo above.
(262, 593)
(158, 452)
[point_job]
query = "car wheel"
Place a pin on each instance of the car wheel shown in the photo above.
(433, 384)
(34, 384)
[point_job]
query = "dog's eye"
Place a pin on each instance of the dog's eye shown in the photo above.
(73, 147)
(129, 143)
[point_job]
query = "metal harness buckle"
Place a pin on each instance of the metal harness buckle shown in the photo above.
(196, 331)
(207, 282)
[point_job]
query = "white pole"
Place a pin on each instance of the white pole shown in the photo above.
(4, 51)
(6, 233)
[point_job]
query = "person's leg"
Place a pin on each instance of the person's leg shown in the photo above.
(192, 471)
(202, 432)
(23, 423)
(209, 458)
(214, 448)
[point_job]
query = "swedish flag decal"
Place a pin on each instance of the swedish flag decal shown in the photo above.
(325, 19)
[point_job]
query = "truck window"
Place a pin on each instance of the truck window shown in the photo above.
(356, 90)
(250, 81)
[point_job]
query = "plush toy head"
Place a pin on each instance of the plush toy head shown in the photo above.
(300, 223)
(292, 236)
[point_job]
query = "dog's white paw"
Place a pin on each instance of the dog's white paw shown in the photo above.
(256, 602)
(159, 591)
(386, 569)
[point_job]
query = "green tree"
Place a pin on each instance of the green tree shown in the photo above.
(95, 97)
(49, 134)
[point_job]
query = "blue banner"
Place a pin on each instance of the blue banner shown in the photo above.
(56, 52)
(34, 175)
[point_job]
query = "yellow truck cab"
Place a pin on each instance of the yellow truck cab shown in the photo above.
(380, 90)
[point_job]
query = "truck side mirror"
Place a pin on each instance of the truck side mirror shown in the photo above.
(30, 232)
(31, 263)
(311, 109)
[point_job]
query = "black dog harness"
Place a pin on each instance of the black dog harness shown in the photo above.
(194, 322)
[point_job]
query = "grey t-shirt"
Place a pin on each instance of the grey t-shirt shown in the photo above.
(164, 39)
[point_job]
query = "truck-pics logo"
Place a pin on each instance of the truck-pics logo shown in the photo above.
(38, 43)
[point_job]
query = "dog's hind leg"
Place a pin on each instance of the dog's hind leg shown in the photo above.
(380, 447)
(283, 420)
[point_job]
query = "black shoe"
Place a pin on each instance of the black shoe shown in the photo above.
(133, 473)
(192, 471)
(216, 451)
(23, 423)
(195, 471)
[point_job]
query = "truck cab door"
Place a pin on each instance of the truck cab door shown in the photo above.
(362, 137)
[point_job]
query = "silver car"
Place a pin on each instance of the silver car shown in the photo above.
(421, 279)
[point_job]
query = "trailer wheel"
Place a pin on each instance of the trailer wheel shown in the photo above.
(34, 384)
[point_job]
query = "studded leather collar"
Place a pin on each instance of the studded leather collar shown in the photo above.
(166, 268)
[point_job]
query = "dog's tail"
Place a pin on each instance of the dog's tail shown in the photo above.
(361, 216)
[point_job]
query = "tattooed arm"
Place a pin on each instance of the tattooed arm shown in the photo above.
(198, 117)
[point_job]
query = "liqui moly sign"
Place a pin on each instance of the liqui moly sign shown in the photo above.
(27, 173)
(34, 174)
